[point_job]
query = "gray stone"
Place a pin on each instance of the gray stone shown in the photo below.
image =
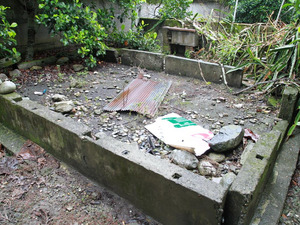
(98, 112)
(228, 179)
(3, 77)
(216, 157)
(62, 60)
(228, 138)
(184, 159)
(7, 87)
(59, 98)
(78, 67)
(64, 106)
(15, 73)
(206, 168)
(246, 152)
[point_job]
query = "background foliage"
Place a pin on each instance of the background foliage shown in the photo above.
(253, 11)
(7, 36)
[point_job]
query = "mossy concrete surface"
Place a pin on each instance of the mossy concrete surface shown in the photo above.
(244, 193)
(170, 194)
(10, 140)
(288, 103)
(273, 198)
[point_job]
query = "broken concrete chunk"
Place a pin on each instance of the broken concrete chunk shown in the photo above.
(184, 159)
(228, 138)
(7, 87)
(227, 179)
(59, 98)
(64, 106)
(78, 67)
(206, 168)
(15, 73)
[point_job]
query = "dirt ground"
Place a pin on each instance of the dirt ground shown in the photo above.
(59, 195)
(42, 190)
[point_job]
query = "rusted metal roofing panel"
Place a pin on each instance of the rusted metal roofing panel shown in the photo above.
(142, 96)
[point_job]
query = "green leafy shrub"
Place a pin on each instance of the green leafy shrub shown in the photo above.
(135, 39)
(7, 36)
(75, 24)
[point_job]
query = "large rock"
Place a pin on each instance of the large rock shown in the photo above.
(228, 138)
(7, 87)
(184, 159)
(64, 106)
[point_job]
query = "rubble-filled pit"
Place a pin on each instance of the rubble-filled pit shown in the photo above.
(210, 105)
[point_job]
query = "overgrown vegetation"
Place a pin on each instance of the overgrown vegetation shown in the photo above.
(7, 36)
(266, 52)
(92, 29)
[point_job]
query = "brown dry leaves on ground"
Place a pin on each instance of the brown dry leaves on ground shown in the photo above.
(37, 189)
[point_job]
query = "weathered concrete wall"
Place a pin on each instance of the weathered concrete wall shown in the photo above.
(289, 103)
(150, 183)
(211, 72)
(204, 8)
(149, 60)
(244, 193)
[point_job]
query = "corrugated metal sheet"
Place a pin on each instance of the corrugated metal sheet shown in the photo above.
(142, 96)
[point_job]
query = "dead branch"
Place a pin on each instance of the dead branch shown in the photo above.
(259, 83)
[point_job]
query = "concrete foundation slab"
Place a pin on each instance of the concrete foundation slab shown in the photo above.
(169, 193)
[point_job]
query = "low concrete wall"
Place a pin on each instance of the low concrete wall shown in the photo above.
(211, 72)
(143, 59)
(244, 193)
(289, 102)
(163, 190)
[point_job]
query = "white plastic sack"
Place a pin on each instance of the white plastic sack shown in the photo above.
(181, 133)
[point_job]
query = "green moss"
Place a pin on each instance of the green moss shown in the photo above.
(172, 23)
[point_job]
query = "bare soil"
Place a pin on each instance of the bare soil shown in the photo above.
(43, 190)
